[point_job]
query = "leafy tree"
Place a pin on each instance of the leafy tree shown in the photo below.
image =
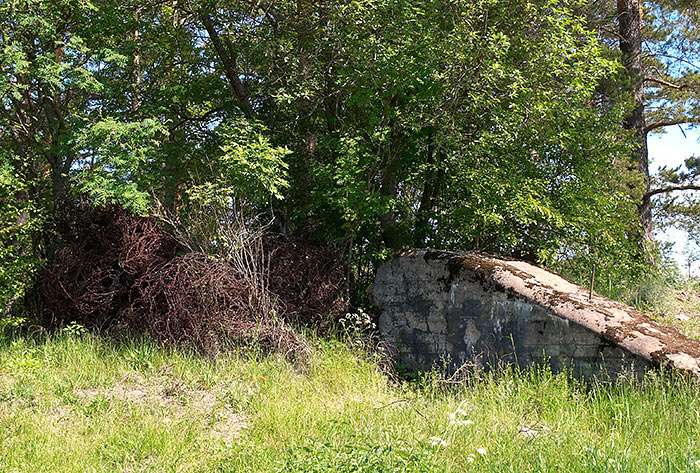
(20, 220)
(383, 124)
(112, 99)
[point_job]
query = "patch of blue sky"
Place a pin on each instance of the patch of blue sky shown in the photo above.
(671, 149)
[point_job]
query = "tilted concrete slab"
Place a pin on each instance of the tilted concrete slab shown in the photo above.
(449, 308)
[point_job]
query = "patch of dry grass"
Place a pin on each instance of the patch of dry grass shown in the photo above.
(678, 308)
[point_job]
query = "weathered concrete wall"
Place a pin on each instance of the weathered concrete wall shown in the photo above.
(455, 308)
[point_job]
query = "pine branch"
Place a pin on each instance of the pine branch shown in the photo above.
(664, 190)
(654, 126)
(669, 84)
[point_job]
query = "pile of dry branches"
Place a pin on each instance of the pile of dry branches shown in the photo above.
(307, 279)
(126, 274)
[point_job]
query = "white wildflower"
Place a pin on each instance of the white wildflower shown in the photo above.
(481, 451)
(437, 441)
(461, 422)
(528, 432)
(470, 458)
(454, 420)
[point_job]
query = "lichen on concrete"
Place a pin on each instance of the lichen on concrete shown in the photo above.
(447, 308)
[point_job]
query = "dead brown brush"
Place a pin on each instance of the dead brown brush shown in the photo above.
(307, 279)
(84, 282)
(126, 274)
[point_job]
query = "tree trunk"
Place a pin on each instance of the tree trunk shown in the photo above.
(137, 72)
(59, 181)
(431, 188)
(389, 222)
(228, 60)
(629, 14)
(305, 125)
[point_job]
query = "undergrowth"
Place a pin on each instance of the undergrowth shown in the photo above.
(671, 302)
(130, 276)
(74, 403)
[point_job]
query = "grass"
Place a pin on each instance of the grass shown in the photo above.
(670, 300)
(677, 306)
(76, 403)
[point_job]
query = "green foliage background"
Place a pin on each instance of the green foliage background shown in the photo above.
(478, 125)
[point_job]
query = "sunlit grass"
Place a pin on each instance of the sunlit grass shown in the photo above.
(75, 403)
(677, 306)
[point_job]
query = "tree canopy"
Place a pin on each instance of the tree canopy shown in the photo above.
(488, 125)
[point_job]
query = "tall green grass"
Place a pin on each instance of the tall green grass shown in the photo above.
(75, 403)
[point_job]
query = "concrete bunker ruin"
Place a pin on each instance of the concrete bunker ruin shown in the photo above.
(447, 309)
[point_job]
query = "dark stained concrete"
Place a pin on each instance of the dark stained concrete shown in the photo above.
(446, 308)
